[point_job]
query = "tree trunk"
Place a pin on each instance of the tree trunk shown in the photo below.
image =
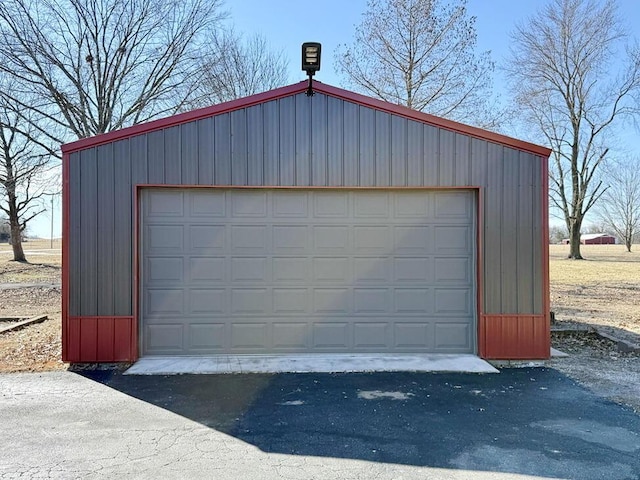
(574, 241)
(628, 242)
(14, 224)
(16, 243)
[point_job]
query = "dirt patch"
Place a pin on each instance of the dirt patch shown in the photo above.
(36, 348)
(28, 302)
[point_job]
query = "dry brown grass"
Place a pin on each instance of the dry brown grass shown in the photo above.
(43, 263)
(602, 264)
(602, 290)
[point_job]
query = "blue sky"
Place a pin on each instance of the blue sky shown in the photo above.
(288, 23)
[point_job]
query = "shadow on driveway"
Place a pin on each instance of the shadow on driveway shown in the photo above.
(522, 421)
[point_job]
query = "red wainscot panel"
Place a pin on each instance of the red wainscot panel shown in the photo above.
(99, 339)
(515, 337)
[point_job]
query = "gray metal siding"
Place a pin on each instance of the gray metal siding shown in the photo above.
(303, 141)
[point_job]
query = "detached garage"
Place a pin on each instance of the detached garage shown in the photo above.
(284, 223)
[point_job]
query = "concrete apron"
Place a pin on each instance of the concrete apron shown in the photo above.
(309, 363)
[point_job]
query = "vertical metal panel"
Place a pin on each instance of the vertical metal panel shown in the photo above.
(538, 248)
(105, 230)
(173, 169)
(239, 147)
(205, 151)
(382, 138)
(462, 160)
(431, 156)
(222, 150)
(189, 153)
(335, 142)
(368, 144)
(351, 145)
(255, 146)
(89, 233)
(303, 139)
(287, 141)
(319, 140)
(479, 149)
(415, 145)
(525, 234)
(138, 159)
(270, 124)
(510, 199)
(446, 158)
(123, 234)
(156, 157)
(75, 231)
(492, 230)
(399, 143)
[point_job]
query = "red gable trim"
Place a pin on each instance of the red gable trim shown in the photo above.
(293, 90)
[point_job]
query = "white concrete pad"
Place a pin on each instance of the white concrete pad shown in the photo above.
(555, 353)
(326, 363)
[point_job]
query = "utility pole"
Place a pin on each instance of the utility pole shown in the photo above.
(51, 244)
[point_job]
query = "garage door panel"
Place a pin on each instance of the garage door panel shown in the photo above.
(334, 335)
(241, 271)
(166, 339)
(371, 238)
(410, 239)
(252, 336)
(290, 269)
(252, 204)
(413, 270)
(415, 301)
(413, 336)
(453, 270)
(372, 335)
(290, 239)
(331, 269)
(372, 300)
(291, 335)
(207, 237)
(164, 238)
(290, 204)
(332, 300)
(335, 239)
(249, 269)
(413, 207)
(207, 270)
(452, 301)
(210, 301)
(249, 239)
(452, 239)
(164, 269)
(368, 205)
(330, 204)
(208, 204)
(250, 300)
(164, 301)
(371, 270)
(290, 300)
(207, 337)
(452, 336)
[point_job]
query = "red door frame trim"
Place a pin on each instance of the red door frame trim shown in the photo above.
(136, 343)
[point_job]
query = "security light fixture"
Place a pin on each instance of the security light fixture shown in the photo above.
(311, 61)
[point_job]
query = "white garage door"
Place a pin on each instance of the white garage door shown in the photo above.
(269, 271)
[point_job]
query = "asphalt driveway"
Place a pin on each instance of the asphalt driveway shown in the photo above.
(522, 423)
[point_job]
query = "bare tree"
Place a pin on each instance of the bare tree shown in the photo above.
(619, 206)
(236, 67)
(22, 183)
(561, 67)
(84, 67)
(422, 54)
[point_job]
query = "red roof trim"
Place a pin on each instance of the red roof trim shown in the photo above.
(293, 90)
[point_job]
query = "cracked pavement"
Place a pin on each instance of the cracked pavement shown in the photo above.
(520, 424)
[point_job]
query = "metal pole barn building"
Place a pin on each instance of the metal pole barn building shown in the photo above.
(287, 223)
